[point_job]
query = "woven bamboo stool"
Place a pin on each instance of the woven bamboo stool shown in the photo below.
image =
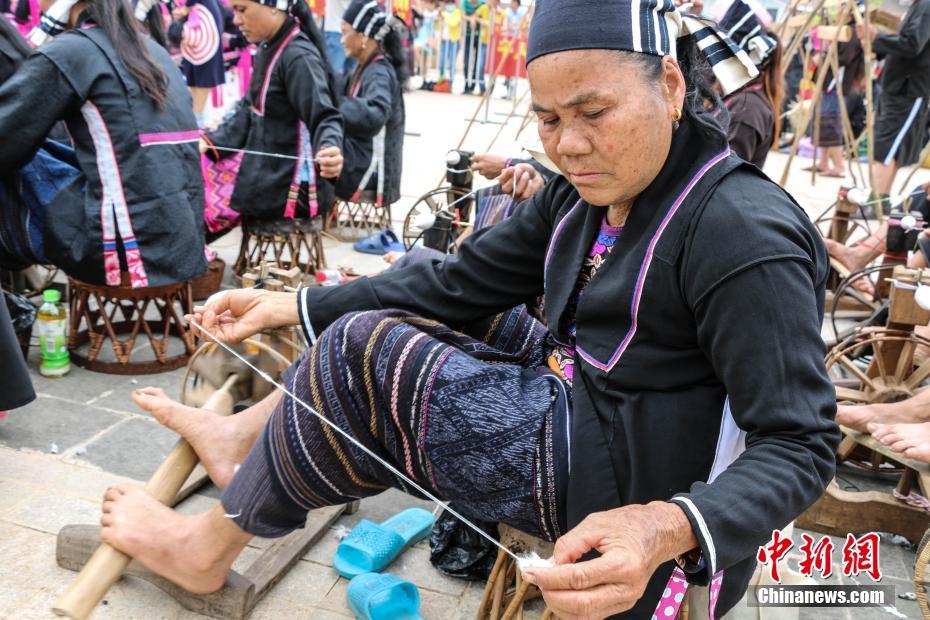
(505, 589)
(921, 582)
(287, 243)
(351, 220)
(119, 315)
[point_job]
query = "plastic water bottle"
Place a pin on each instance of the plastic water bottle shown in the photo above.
(51, 321)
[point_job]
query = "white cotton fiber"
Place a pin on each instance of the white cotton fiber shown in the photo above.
(532, 560)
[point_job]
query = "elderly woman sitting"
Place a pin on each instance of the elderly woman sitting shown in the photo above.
(673, 413)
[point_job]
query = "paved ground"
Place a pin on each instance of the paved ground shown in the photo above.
(82, 434)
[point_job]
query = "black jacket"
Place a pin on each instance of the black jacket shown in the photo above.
(139, 164)
(752, 124)
(289, 96)
(13, 50)
(699, 354)
(907, 54)
(378, 103)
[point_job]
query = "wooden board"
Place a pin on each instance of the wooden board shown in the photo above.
(839, 513)
(236, 599)
(864, 439)
(828, 33)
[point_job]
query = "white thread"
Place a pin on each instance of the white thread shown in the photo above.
(358, 444)
(532, 560)
(248, 152)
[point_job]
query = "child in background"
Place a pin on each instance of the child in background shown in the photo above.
(451, 39)
(426, 44)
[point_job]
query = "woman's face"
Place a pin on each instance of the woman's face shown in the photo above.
(609, 131)
(257, 22)
(353, 42)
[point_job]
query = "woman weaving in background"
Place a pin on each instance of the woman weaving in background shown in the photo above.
(372, 108)
(665, 450)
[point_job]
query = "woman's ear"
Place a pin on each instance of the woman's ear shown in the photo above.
(673, 83)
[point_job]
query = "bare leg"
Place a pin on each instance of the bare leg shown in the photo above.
(911, 440)
(838, 166)
(858, 417)
(221, 442)
(857, 257)
(884, 177)
(200, 98)
(195, 552)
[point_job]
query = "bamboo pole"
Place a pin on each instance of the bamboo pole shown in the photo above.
(510, 116)
(497, 70)
(818, 90)
(789, 13)
(107, 564)
(850, 136)
(798, 37)
(869, 111)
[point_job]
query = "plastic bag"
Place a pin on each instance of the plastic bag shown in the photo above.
(22, 312)
(458, 551)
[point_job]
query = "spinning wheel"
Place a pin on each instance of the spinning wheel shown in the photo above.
(851, 304)
(432, 203)
(876, 366)
(210, 365)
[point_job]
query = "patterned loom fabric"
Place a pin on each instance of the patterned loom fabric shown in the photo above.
(464, 416)
(494, 206)
(219, 179)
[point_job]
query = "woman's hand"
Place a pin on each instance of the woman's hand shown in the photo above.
(633, 541)
(487, 165)
(525, 178)
(232, 316)
(330, 161)
(204, 147)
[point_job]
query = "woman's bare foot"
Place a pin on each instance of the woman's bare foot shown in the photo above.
(221, 442)
(913, 410)
(391, 257)
(854, 258)
(194, 552)
(911, 440)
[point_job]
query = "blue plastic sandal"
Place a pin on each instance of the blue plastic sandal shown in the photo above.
(380, 243)
(383, 597)
(370, 547)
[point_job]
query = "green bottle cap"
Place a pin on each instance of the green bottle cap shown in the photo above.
(51, 295)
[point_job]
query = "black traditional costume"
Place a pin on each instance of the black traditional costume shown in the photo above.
(374, 116)
(200, 39)
(290, 111)
(752, 119)
(904, 104)
(698, 363)
(138, 206)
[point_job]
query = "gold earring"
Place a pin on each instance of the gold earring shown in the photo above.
(677, 114)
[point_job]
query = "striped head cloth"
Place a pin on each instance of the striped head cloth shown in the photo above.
(643, 26)
(741, 24)
(368, 18)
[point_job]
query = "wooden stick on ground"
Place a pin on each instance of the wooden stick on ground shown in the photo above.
(107, 564)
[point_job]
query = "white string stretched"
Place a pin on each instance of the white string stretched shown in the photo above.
(520, 561)
(259, 153)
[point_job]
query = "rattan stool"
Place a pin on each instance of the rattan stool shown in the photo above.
(286, 243)
(359, 218)
(506, 592)
(119, 315)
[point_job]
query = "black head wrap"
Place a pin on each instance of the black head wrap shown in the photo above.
(368, 18)
(642, 26)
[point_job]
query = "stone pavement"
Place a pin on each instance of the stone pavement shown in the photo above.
(82, 434)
